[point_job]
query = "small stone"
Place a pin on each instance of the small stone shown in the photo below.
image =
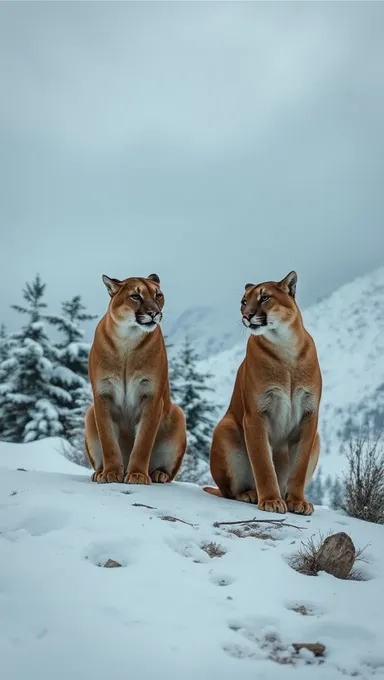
(315, 647)
(336, 555)
(112, 564)
(301, 609)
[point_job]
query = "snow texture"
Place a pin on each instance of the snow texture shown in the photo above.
(171, 611)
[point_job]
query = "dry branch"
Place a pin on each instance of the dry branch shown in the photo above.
(279, 523)
(142, 505)
(170, 518)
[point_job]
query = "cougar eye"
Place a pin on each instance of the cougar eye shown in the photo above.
(159, 296)
(135, 296)
(265, 298)
(243, 302)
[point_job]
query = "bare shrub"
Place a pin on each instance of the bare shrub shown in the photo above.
(363, 484)
(213, 549)
(355, 573)
(306, 560)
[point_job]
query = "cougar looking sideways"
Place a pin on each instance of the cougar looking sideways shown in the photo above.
(266, 447)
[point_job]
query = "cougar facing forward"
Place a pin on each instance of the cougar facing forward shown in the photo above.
(133, 430)
(266, 447)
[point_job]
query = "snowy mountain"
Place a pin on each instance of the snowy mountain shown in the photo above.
(348, 328)
(211, 330)
(186, 598)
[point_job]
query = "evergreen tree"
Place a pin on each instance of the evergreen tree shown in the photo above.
(189, 388)
(5, 373)
(73, 352)
(336, 495)
(3, 343)
(34, 405)
(75, 448)
(172, 367)
(72, 373)
(315, 489)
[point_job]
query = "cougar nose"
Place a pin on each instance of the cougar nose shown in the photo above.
(152, 312)
(248, 316)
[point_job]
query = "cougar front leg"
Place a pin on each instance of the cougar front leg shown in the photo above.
(138, 466)
(260, 457)
(112, 462)
(301, 454)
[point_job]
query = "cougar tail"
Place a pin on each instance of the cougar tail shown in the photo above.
(213, 491)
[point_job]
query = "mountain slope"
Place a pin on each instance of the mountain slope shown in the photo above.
(348, 328)
(171, 610)
(211, 330)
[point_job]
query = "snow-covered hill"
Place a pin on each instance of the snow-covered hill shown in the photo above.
(211, 330)
(45, 455)
(170, 610)
(348, 328)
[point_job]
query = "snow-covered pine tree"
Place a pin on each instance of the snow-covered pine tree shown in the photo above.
(72, 372)
(34, 406)
(3, 343)
(4, 372)
(336, 495)
(172, 366)
(73, 351)
(315, 489)
(74, 449)
(189, 387)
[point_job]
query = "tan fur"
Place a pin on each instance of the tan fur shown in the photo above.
(266, 447)
(133, 432)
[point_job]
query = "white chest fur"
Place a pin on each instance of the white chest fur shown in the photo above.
(126, 394)
(284, 411)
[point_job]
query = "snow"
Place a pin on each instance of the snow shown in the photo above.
(170, 611)
(45, 455)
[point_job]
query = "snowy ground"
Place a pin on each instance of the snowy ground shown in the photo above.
(171, 611)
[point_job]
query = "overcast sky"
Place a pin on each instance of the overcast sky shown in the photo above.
(212, 143)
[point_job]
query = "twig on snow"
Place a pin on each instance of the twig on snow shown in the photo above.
(142, 505)
(277, 522)
(170, 518)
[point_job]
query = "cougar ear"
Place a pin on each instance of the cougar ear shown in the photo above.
(154, 277)
(112, 285)
(248, 285)
(289, 284)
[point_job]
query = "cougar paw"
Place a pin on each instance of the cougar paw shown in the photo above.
(94, 475)
(160, 477)
(136, 478)
(299, 507)
(109, 476)
(273, 505)
(247, 497)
